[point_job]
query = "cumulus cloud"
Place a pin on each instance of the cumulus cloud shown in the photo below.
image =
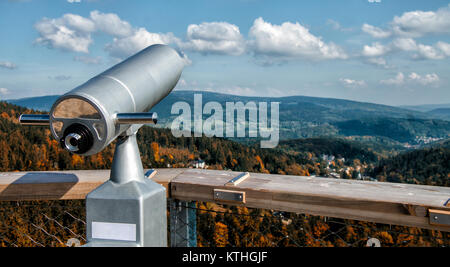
(424, 80)
(140, 39)
(375, 50)
(214, 38)
(428, 52)
(414, 24)
(398, 80)
(74, 1)
(413, 78)
(375, 31)
(419, 23)
(378, 61)
(73, 33)
(337, 26)
(438, 51)
(110, 23)
(352, 83)
(7, 65)
(405, 44)
(70, 32)
(4, 91)
(267, 42)
(122, 48)
(444, 48)
(290, 41)
(374, 1)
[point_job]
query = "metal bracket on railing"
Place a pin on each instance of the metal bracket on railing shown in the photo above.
(221, 195)
(447, 203)
(238, 179)
(439, 217)
(150, 174)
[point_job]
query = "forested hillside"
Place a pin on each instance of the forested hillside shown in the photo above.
(25, 148)
(331, 146)
(429, 166)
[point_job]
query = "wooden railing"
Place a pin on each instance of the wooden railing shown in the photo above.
(389, 203)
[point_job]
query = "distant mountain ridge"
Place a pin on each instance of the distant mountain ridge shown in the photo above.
(304, 116)
(42, 103)
(426, 108)
(441, 113)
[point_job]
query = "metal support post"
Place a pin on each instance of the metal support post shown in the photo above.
(128, 209)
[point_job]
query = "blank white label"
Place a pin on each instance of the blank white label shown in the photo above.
(114, 231)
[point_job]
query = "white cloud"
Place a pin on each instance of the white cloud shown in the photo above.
(437, 51)
(214, 38)
(374, 1)
(398, 80)
(424, 80)
(73, 33)
(428, 52)
(378, 61)
(413, 78)
(405, 44)
(419, 23)
(74, 1)
(337, 26)
(440, 50)
(444, 48)
(415, 24)
(375, 31)
(7, 65)
(375, 50)
(70, 32)
(352, 83)
(110, 23)
(4, 91)
(290, 41)
(140, 39)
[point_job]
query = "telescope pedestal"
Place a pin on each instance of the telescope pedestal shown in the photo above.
(128, 209)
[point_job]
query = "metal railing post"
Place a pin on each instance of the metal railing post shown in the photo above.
(183, 224)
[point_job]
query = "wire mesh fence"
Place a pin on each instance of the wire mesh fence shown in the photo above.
(58, 223)
(62, 223)
(232, 226)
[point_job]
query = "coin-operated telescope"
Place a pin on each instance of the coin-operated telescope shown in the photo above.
(129, 209)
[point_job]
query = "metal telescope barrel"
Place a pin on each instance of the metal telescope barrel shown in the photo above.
(89, 117)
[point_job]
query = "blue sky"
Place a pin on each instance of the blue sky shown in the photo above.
(392, 52)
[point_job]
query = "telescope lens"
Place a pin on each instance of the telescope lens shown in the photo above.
(77, 139)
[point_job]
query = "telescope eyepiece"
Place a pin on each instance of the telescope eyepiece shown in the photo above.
(77, 139)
